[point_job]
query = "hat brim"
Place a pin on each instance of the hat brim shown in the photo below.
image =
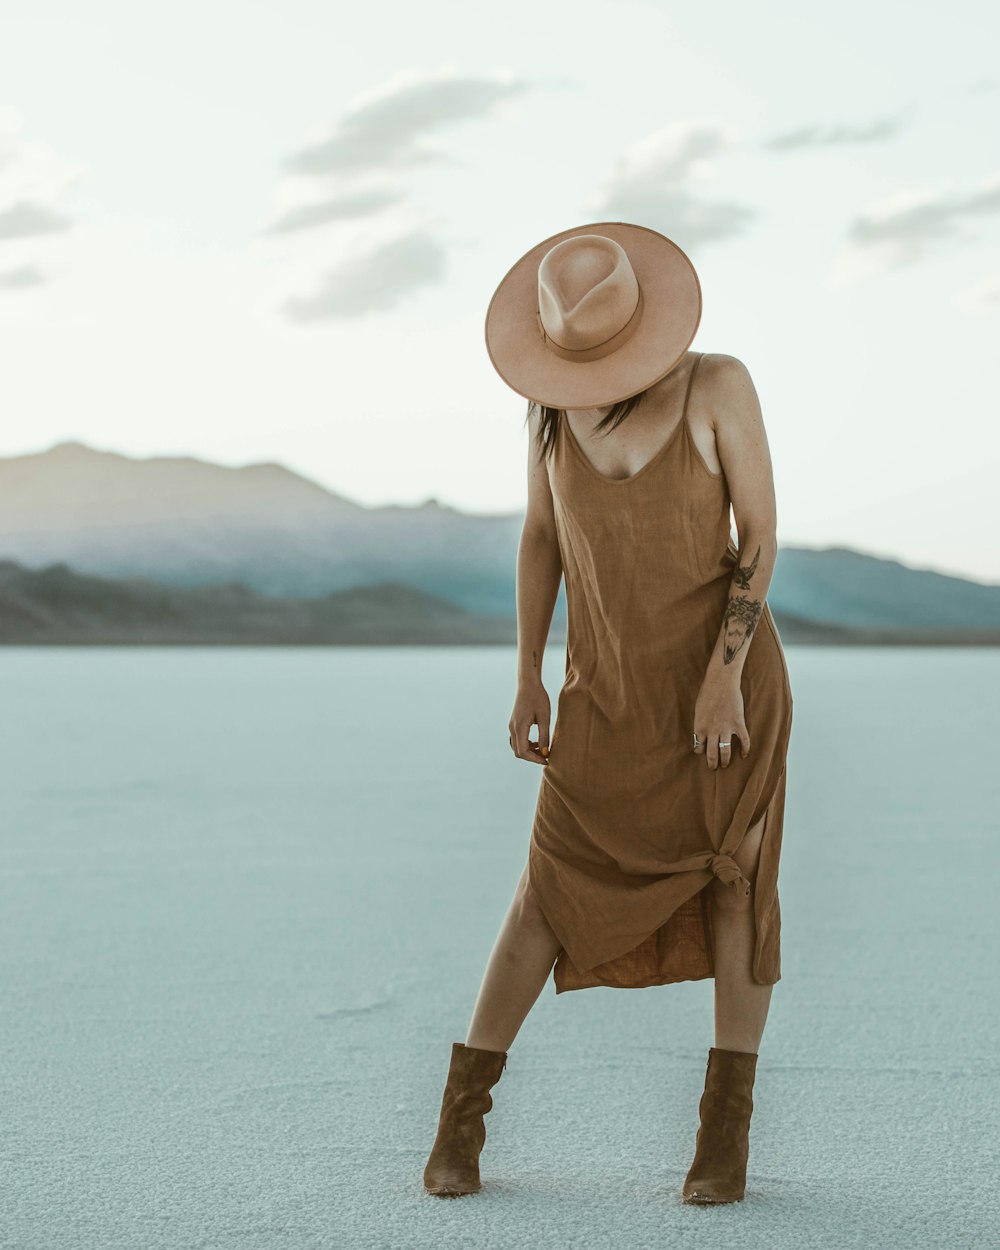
(671, 312)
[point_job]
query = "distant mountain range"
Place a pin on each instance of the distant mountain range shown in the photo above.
(101, 547)
(55, 605)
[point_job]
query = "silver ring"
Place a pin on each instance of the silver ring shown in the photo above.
(723, 744)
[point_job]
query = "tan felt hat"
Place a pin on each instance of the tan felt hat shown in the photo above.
(593, 315)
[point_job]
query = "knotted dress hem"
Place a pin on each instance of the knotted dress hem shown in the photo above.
(681, 947)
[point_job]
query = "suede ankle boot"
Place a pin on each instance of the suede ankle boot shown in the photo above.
(453, 1167)
(719, 1170)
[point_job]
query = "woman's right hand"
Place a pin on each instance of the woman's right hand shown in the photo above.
(531, 707)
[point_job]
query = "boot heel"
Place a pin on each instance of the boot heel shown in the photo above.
(453, 1167)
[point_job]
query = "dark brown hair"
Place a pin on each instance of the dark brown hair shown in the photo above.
(549, 424)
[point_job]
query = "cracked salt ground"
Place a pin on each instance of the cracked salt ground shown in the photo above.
(168, 1081)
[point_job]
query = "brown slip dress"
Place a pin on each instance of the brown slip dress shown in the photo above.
(630, 824)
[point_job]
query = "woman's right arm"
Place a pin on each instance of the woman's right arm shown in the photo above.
(539, 572)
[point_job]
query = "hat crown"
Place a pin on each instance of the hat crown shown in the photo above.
(625, 320)
(587, 291)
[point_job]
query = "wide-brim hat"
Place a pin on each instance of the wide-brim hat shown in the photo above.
(593, 315)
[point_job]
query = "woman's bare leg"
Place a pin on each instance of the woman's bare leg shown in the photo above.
(741, 1005)
(517, 969)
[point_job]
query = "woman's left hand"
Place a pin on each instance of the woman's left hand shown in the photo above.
(718, 720)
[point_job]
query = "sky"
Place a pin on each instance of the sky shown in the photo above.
(264, 231)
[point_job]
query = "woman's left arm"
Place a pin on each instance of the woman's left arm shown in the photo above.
(741, 441)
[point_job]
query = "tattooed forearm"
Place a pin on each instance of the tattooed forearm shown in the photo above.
(534, 659)
(744, 607)
(743, 572)
(740, 621)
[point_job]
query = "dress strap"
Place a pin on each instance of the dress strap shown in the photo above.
(687, 393)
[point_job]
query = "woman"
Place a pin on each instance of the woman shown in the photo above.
(654, 851)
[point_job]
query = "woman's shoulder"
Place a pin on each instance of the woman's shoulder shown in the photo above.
(723, 367)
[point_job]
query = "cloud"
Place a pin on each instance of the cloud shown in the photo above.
(983, 297)
(341, 208)
(652, 183)
(386, 129)
(357, 171)
(374, 282)
(22, 276)
(828, 136)
(905, 227)
(24, 218)
(918, 220)
(33, 179)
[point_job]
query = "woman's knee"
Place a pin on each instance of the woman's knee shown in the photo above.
(729, 900)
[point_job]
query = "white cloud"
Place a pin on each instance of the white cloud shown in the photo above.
(387, 129)
(374, 281)
(835, 135)
(33, 180)
(23, 219)
(653, 183)
(342, 207)
(21, 277)
(980, 298)
(909, 225)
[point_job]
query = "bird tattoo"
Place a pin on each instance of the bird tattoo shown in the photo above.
(743, 573)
